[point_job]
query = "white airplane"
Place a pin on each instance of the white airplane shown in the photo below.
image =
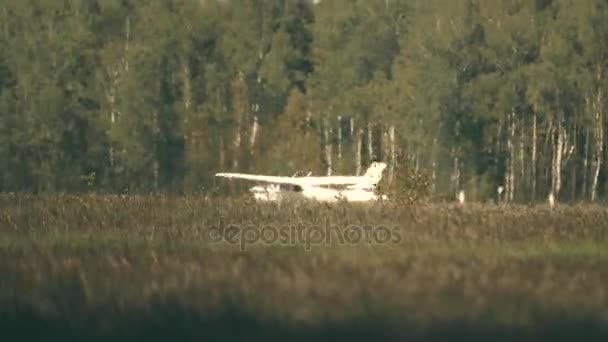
(319, 188)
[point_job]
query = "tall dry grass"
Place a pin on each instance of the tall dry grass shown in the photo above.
(100, 266)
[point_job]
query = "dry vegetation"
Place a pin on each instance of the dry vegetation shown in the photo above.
(94, 266)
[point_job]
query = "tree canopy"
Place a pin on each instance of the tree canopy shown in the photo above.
(142, 95)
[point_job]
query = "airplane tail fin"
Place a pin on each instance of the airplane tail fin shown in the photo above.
(373, 175)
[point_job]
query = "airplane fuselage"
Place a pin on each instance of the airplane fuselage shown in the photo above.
(321, 194)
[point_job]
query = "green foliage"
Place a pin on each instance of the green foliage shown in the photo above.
(142, 93)
(409, 186)
(297, 138)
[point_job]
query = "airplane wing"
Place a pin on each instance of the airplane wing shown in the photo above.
(368, 181)
(302, 181)
(265, 179)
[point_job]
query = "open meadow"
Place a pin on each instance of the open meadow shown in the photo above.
(154, 267)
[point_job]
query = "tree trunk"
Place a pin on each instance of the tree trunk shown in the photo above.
(127, 42)
(187, 99)
(534, 153)
(339, 137)
(455, 172)
(434, 166)
(308, 121)
(573, 190)
(222, 153)
(236, 144)
(327, 141)
(370, 141)
(385, 145)
(393, 160)
(599, 142)
(548, 150)
(558, 154)
(5, 20)
(113, 114)
(417, 158)
(522, 160)
(358, 147)
(510, 176)
(156, 163)
(585, 168)
(497, 154)
(115, 74)
(255, 128)
(187, 86)
(240, 108)
(155, 171)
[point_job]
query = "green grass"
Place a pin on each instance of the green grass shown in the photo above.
(110, 267)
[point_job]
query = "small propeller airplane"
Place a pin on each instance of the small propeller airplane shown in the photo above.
(318, 188)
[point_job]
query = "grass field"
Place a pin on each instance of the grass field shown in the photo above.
(97, 267)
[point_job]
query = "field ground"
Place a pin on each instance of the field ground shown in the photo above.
(96, 267)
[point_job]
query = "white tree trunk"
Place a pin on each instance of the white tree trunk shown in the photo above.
(127, 42)
(358, 147)
(187, 85)
(510, 176)
(240, 111)
(385, 144)
(308, 121)
(417, 159)
(497, 153)
(339, 137)
(187, 96)
(585, 164)
(455, 172)
(522, 158)
(558, 153)
(236, 143)
(115, 74)
(255, 127)
(156, 164)
(393, 145)
(328, 153)
(574, 175)
(222, 153)
(113, 114)
(533, 161)
(434, 166)
(599, 142)
(155, 168)
(370, 141)
(549, 150)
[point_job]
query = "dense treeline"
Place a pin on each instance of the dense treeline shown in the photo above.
(157, 95)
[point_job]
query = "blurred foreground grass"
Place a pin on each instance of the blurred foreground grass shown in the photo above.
(142, 267)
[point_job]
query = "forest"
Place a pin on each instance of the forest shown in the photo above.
(158, 95)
